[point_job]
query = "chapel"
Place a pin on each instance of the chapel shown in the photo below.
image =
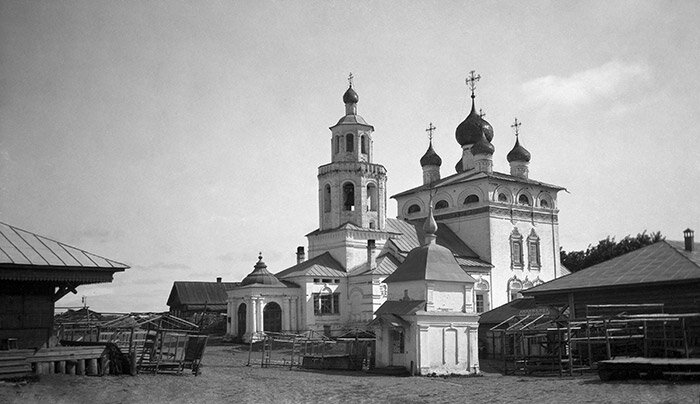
(500, 228)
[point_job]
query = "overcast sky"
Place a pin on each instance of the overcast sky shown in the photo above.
(182, 138)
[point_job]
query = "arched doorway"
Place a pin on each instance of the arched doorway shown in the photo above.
(272, 317)
(242, 310)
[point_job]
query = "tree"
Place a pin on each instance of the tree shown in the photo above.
(607, 249)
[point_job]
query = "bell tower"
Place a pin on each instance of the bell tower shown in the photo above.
(352, 189)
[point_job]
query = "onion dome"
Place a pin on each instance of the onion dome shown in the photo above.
(518, 153)
(483, 146)
(459, 167)
(260, 275)
(430, 158)
(469, 131)
(430, 225)
(350, 96)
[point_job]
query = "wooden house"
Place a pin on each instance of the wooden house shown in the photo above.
(203, 303)
(35, 272)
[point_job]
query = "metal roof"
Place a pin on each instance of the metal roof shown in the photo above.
(411, 232)
(400, 307)
(664, 261)
(20, 247)
(200, 294)
(430, 262)
(473, 175)
(386, 265)
(323, 265)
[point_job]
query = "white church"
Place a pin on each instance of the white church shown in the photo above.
(500, 229)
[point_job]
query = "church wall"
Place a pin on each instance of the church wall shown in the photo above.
(447, 344)
(349, 249)
(444, 296)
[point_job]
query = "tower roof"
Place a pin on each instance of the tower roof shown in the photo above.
(518, 153)
(430, 158)
(261, 276)
(483, 146)
(350, 96)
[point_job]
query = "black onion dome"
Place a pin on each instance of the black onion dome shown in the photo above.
(459, 167)
(430, 158)
(518, 153)
(351, 97)
(483, 146)
(469, 131)
(260, 275)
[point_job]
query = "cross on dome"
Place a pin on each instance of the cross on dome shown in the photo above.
(350, 77)
(482, 114)
(516, 125)
(471, 81)
(430, 130)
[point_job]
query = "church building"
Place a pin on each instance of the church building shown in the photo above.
(501, 228)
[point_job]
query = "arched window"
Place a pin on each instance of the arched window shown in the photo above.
(337, 144)
(371, 225)
(544, 203)
(413, 209)
(471, 199)
(524, 200)
(372, 197)
(349, 142)
(502, 197)
(442, 204)
(327, 198)
(363, 144)
(348, 196)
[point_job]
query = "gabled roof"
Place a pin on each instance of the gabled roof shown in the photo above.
(323, 265)
(473, 175)
(199, 294)
(386, 265)
(663, 261)
(27, 256)
(411, 232)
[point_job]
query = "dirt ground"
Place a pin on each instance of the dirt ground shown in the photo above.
(225, 378)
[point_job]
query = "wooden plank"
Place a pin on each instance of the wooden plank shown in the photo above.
(15, 368)
(13, 375)
(15, 362)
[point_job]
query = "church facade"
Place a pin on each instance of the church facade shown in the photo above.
(501, 228)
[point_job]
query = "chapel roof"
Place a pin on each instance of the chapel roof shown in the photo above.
(261, 276)
(400, 307)
(663, 261)
(431, 261)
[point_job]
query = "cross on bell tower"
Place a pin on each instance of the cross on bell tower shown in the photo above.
(472, 80)
(516, 126)
(430, 130)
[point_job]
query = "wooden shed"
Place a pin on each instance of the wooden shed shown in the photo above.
(203, 303)
(35, 272)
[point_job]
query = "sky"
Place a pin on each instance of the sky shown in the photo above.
(183, 137)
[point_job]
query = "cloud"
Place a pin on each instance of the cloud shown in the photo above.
(607, 81)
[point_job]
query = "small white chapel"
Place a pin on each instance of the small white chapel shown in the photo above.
(501, 229)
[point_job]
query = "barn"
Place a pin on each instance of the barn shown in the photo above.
(35, 272)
